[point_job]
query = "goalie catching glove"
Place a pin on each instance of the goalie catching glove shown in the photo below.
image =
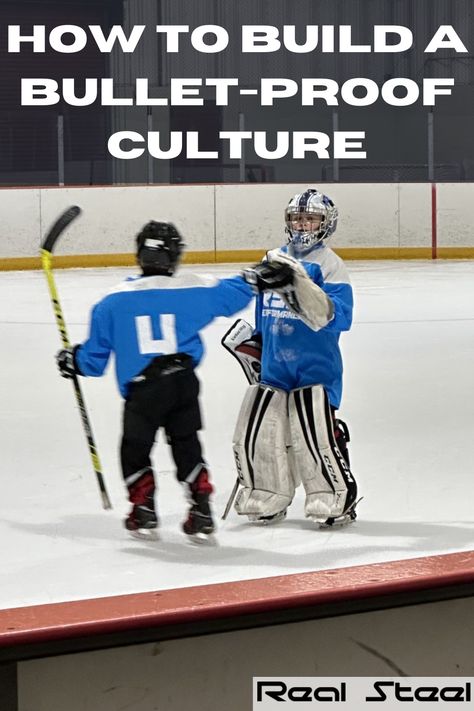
(66, 362)
(268, 277)
(300, 293)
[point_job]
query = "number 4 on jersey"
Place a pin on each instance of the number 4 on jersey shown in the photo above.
(166, 345)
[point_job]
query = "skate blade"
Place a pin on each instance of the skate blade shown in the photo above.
(340, 522)
(145, 534)
(345, 519)
(270, 521)
(202, 539)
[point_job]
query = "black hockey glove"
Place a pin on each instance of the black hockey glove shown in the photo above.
(268, 277)
(66, 362)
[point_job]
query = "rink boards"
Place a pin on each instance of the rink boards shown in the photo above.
(44, 630)
(225, 223)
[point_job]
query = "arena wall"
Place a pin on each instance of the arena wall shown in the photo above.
(236, 222)
(215, 672)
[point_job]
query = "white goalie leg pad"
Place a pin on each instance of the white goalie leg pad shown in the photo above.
(260, 451)
(323, 470)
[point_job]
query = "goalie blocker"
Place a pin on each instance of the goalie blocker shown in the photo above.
(283, 438)
(245, 345)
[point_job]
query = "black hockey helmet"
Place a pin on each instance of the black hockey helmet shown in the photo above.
(159, 246)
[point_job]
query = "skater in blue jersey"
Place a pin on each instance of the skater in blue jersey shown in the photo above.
(287, 431)
(151, 323)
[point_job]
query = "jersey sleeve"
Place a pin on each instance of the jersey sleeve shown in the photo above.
(230, 296)
(342, 297)
(336, 284)
(93, 355)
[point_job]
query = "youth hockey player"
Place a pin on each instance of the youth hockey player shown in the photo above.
(151, 323)
(287, 431)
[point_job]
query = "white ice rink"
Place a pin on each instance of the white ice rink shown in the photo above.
(408, 400)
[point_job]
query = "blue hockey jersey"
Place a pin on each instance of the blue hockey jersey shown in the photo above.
(294, 355)
(156, 315)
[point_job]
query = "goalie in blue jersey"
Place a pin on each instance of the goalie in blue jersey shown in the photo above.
(287, 430)
(151, 323)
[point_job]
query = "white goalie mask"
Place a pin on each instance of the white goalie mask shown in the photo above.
(311, 218)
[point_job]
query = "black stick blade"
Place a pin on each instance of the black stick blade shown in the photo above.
(59, 226)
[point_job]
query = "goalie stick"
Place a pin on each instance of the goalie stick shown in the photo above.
(47, 248)
(231, 498)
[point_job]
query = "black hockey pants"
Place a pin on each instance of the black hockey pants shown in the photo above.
(164, 395)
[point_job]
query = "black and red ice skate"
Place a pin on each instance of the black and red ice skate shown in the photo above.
(142, 522)
(199, 526)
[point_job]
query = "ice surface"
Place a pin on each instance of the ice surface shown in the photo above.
(408, 399)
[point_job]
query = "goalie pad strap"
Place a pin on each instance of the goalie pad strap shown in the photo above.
(260, 452)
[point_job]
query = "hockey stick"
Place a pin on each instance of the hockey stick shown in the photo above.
(230, 501)
(47, 248)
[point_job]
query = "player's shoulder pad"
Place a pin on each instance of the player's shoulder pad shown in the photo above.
(185, 280)
(333, 269)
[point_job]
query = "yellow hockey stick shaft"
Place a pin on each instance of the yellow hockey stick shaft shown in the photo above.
(46, 262)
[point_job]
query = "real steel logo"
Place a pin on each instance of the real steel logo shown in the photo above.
(380, 691)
